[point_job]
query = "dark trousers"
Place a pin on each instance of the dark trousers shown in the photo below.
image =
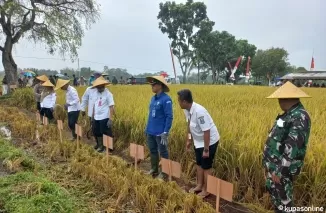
(155, 146)
(38, 106)
(47, 113)
(72, 121)
(100, 128)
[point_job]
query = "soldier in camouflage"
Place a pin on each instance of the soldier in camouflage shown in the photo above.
(286, 146)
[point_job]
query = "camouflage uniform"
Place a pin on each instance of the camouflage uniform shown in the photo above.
(284, 153)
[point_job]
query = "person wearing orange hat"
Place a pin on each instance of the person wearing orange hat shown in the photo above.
(103, 111)
(38, 90)
(72, 104)
(159, 123)
(286, 145)
(48, 99)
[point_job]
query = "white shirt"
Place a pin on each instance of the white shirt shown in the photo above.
(201, 121)
(102, 105)
(72, 99)
(49, 101)
(89, 99)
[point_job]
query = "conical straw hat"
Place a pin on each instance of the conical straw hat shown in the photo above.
(42, 78)
(155, 79)
(47, 84)
(288, 90)
(100, 81)
(61, 83)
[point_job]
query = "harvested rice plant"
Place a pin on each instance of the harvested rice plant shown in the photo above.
(243, 117)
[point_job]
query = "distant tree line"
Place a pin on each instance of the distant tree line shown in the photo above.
(214, 53)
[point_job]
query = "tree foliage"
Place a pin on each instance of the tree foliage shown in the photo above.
(220, 49)
(179, 22)
(59, 24)
(270, 63)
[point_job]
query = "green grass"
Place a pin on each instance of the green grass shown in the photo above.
(15, 159)
(25, 192)
(30, 190)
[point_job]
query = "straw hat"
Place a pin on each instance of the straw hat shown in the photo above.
(288, 90)
(100, 81)
(61, 83)
(42, 78)
(158, 79)
(47, 84)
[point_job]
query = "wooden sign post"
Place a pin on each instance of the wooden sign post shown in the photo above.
(38, 117)
(79, 133)
(137, 152)
(60, 127)
(108, 143)
(13, 87)
(45, 121)
(171, 168)
(220, 188)
(37, 135)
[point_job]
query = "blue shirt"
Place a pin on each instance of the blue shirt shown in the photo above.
(160, 115)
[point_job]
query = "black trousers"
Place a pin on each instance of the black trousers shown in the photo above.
(38, 106)
(47, 113)
(100, 128)
(72, 121)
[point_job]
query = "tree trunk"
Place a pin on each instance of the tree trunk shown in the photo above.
(214, 76)
(9, 64)
(184, 77)
(198, 73)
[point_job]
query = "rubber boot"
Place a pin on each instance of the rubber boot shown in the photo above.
(97, 145)
(154, 165)
(101, 148)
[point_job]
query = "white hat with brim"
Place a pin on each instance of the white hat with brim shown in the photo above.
(100, 81)
(158, 79)
(61, 83)
(42, 78)
(288, 91)
(47, 84)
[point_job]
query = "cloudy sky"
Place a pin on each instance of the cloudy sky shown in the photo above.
(127, 34)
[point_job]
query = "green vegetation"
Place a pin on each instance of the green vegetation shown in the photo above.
(25, 192)
(29, 190)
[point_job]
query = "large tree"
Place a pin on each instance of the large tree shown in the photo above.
(270, 63)
(215, 49)
(243, 48)
(179, 22)
(59, 24)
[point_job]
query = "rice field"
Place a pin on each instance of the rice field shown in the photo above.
(243, 117)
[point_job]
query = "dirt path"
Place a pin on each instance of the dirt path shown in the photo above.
(144, 166)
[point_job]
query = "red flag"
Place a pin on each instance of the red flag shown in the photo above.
(312, 63)
(248, 66)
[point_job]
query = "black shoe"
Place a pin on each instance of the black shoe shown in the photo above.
(96, 147)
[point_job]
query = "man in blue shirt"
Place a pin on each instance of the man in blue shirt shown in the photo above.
(159, 123)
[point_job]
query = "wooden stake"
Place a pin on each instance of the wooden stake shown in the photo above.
(218, 195)
(45, 121)
(136, 156)
(170, 170)
(37, 135)
(60, 127)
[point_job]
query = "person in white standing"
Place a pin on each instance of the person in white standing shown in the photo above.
(89, 98)
(103, 112)
(204, 135)
(47, 100)
(72, 104)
